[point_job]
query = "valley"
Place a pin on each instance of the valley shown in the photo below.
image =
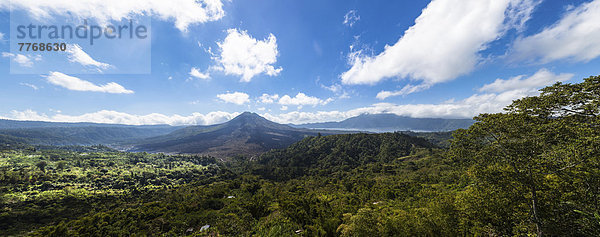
(513, 173)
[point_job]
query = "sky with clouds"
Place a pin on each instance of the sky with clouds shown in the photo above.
(204, 62)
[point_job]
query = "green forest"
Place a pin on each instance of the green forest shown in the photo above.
(532, 170)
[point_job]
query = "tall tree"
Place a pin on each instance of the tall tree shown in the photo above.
(545, 149)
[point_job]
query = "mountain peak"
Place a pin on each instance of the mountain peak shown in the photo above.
(248, 133)
(248, 114)
(249, 118)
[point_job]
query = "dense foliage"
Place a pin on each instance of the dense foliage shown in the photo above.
(533, 170)
(324, 155)
(43, 186)
(536, 168)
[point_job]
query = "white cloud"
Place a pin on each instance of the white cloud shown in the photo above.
(283, 108)
(576, 36)
(335, 88)
(302, 99)
(344, 95)
(34, 87)
(501, 93)
(541, 78)
(244, 56)
(114, 117)
(351, 18)
(237, 98)
(22, 60)
(466, 108)
(299, 100)
(297, 117)
(183, 12)
(27, 115)
(77, 55)
(1, 36)
(444, 42)
(408, 89)
(194, 72)
(76, 84)
(170, 78)
(268, 99)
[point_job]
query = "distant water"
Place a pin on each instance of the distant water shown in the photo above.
(380, 130)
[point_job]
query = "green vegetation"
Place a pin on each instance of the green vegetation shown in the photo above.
(39, 187)
(533, 170)
(536, 168)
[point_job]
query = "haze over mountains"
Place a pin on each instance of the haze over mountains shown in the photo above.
(49, 133)
(392, 122)
(247, 134)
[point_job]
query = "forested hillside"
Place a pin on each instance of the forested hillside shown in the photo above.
(330, 154)
(533, 170)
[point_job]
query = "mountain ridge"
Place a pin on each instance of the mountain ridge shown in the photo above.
(392, 122)
(16, 124)
(248, 133)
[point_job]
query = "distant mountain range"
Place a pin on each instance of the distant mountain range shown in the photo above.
(248, 134)
(49, 133)
(14, 124)
(392, 122)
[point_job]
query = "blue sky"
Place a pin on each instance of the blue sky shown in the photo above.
(295, 61)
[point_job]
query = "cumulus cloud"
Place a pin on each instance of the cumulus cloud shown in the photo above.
(268, 99)
(297, 117)
(1, 36)
(299, 100)
(195, 73)
(541, 78)
(183, 12)
(27, 115)
(467, 108)
(302, 99)
(500, 94)
(444, 42)
(494, 97)
(351, 18)
(77, 55)
(576, 36)
(242, 55)
(22, 60)
(76, 84)
(114, 117)
(237, 98)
